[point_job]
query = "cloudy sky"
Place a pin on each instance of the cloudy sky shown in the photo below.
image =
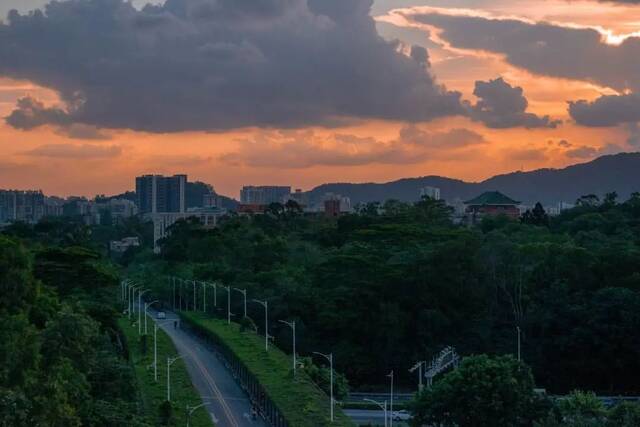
(302, 92)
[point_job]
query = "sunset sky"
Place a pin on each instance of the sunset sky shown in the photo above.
(303, 92)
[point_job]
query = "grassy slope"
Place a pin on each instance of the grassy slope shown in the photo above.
(154, 394)
(300, 401)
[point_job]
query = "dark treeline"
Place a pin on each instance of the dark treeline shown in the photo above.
(394, 284)
(62, 363)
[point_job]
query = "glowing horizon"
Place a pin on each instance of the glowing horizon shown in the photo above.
(334, 141)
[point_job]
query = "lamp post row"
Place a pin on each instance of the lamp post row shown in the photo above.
(129, 292)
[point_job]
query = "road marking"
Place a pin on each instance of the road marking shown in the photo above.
(209, 380)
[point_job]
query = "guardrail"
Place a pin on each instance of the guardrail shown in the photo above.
(244, 377)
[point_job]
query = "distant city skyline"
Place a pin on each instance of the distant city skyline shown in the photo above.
(475, 88)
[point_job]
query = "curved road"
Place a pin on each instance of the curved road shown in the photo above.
(229, 405)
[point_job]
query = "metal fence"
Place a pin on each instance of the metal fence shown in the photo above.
(269, 411)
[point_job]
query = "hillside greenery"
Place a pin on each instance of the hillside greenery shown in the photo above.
(61, 359)
(299, 400)
(394, 283)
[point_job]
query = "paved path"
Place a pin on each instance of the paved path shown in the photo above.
(371, 417)
(229, 404)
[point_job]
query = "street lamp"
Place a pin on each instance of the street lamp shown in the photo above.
(133, 302)
(382, 406)
(419, 366)
(191, 410)
(228, 289)
(123, 289)
(329, 357)
(180, 298)
(146, 306)
(142, 292)
(204, 296)
(265, 304)
(215, 294)
(244, 293)
(391, 408)
(195, 306)
(172, 281)
(155, 348)
(130, 295)
(292, 325)
(170, 361)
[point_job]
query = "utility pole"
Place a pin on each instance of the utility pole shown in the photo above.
(170, 361)
(142, 292)
(215, 294)
(155, 352)
(195, 306)
(155, 349)
(329, 357)
(130, 297)
(244, 294)
(204, 296)
(173, 280)
(391, 408)
(265, 304)
(292, 325)
(419, 366)
(383, 406)
(146, 307)
(191, 410)
(519, 354)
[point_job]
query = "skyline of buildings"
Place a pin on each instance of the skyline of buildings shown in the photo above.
(158, 193)
(264, 194)
(162, 199)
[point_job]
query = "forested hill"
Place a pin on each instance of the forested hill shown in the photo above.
(620, 173)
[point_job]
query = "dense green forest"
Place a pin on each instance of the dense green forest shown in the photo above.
(382, 288)
(395, 283)
(62, 363)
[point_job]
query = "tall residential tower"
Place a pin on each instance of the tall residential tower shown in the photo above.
(159, 194)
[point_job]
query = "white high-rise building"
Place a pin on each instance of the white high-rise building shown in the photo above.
(431, 192)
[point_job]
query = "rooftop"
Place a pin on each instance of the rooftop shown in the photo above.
(492, 198)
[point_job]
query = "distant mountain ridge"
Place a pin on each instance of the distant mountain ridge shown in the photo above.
(619, 172)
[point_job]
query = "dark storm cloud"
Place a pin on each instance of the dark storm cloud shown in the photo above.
(543, 48)
(303, 149)
(609, 110)
(502, 106)
(31, 113)
(71, 151)
(215, 65)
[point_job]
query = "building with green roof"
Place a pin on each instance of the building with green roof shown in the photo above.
(492, 203)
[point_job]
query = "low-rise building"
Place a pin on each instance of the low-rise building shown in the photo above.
(121, 246)
(336, 205)
(264, 195)
(211, 200)
(208, 217)
(491, 203)
(121, 209)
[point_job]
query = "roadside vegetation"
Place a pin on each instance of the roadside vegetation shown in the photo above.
(154, 394)
(61, 359)
(298, 398)
(499, 392)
